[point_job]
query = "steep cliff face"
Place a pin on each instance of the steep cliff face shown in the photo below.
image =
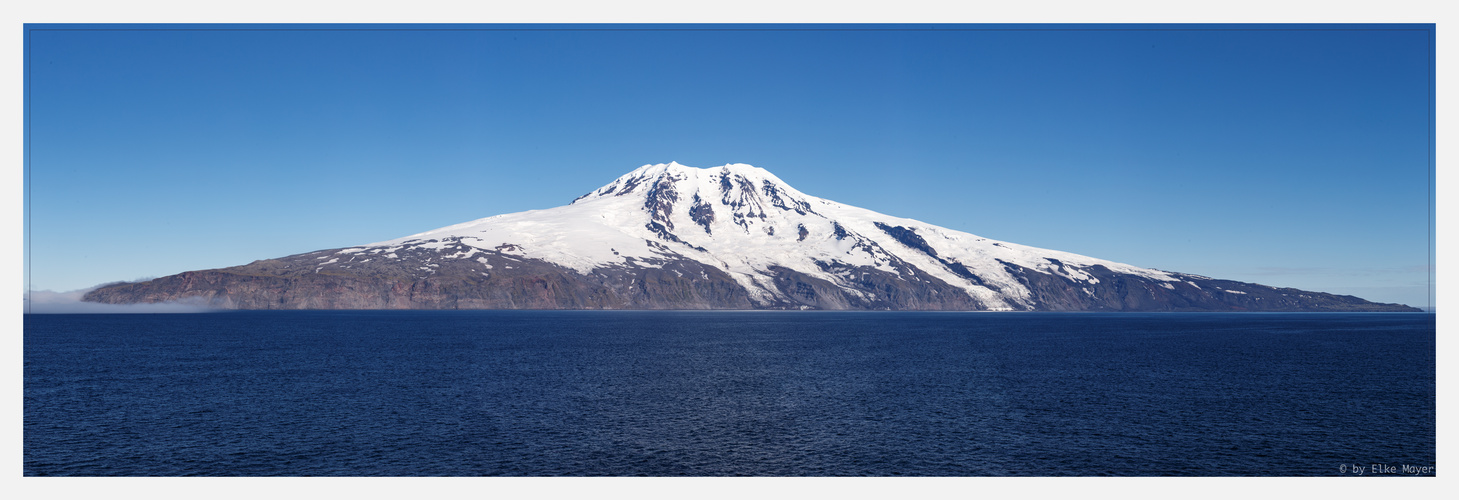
(731, 237)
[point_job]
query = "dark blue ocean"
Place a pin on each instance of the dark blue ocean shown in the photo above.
(512, 393)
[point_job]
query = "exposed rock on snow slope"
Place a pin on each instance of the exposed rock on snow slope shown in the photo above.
(668, 236)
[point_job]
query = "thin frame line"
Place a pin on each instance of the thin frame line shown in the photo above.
(29, 193)
(738, 29)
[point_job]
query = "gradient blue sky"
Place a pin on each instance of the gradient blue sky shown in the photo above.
(1285, 155)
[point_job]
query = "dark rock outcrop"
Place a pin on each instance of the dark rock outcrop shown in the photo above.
(510, 283)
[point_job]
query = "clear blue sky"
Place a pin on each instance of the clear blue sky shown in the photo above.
(1290, 157)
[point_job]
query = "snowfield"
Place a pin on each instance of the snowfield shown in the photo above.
(745, 220)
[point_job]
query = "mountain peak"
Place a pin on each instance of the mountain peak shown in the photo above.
(679, 178)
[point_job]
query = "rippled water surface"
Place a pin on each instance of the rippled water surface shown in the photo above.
(726, 393)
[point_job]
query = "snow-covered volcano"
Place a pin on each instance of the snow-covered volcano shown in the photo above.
(734, 236)
(746, 221)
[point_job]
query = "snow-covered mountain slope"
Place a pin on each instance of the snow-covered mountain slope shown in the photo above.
(745, 220)
(734, 236)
